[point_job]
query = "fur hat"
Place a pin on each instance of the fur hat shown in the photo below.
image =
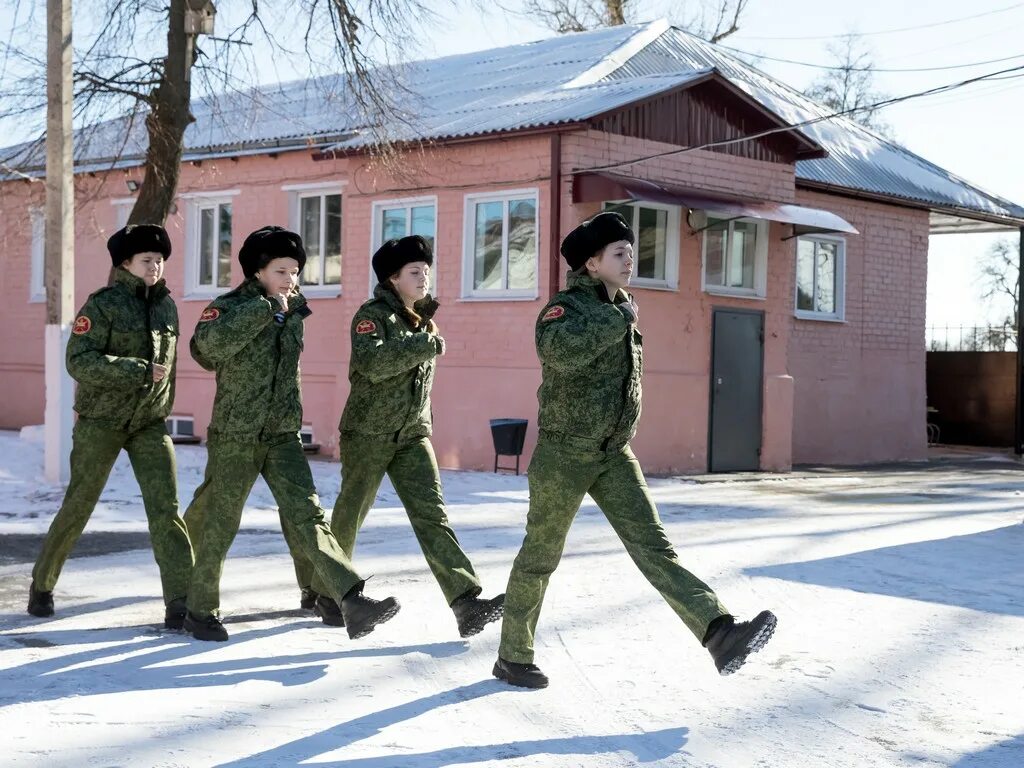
(398, 252)
(269, 243)
(593, 235)
(138, 238)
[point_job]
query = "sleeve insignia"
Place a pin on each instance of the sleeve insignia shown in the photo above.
(82, 325)
(366, 326)
(210, 313)
(553, 314)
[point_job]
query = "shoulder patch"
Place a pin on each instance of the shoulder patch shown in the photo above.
(553, 314)
(210, 313)
(366, 326)
(82, 325)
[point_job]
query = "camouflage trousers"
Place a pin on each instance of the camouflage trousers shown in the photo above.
(215, 513)
(559, 477)
(412, 467)
(94, 450)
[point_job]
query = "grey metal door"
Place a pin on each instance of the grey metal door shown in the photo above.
(737, 373)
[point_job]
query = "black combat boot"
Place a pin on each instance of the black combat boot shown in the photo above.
(174, 614)
(209, 628)
(307, 599)
(523, 675)
(39, 603)
(328, 611)
(473, 614)
(730, 642)
(362, 614)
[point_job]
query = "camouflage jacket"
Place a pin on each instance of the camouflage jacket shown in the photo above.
(391, 369)
(117, 335)
(256, 360)
(591, 365)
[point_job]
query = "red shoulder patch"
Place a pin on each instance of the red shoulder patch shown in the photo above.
(366, 326)
(553, 314)
(82, 325)
(210, 313)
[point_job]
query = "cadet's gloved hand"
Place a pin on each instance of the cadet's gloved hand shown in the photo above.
(630, 310)
(439, 345)
(426, 307)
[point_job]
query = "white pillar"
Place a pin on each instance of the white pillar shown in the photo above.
(60, 394)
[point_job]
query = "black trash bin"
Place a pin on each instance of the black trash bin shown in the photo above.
(508, 436)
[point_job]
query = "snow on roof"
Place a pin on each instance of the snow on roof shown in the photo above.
(560, 80)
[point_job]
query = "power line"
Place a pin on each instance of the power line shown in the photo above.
(819, 119)
(899, 29)
(870, 69)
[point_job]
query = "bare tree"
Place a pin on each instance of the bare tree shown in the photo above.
(120, 72)
(850, 83)
(1000, 277)
(716, 19)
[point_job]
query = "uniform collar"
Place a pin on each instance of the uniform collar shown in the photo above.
(583, 281)
(137, 286)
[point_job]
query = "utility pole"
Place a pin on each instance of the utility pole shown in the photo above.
(59, 272)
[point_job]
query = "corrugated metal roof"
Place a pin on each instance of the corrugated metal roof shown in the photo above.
(560, 80)
(857, 158)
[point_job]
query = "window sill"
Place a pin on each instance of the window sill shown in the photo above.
(204, 294)
(499, 297)
(36, 299)
(736, 294)
(652, 286)
(321, 291)
(819, 318)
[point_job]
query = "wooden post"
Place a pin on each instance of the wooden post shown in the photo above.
(1018, 440)
(59, 274)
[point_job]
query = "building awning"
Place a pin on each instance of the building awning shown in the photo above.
(594, 187)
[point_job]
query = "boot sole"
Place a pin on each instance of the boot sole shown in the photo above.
(755, 644)
(380, 618)
(481, 620)
(500, 673)
(42, 613)
(174, 623)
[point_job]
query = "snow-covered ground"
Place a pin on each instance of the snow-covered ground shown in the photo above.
(900, 597)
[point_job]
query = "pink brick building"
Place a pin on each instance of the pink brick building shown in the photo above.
(781, 279)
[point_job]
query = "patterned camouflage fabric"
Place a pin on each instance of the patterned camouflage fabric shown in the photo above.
(589, 406)
(391, 370)
(257, 414)
(116, 335)
(384, 431)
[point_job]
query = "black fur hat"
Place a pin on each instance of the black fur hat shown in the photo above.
(138, 238)
(398, 252)
(593, 235)
(269, 243)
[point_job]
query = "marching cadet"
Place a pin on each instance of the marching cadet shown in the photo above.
(252, 337)
(122, 353)
(386, 426)
(591, 361)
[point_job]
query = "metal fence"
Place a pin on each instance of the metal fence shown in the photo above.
(971, 338)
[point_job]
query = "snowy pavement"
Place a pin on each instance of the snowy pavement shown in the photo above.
(900, 597)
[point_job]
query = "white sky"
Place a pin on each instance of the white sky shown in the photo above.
(973, 132)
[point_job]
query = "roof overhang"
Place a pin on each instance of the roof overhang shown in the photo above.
(944, 220)
(592, 187)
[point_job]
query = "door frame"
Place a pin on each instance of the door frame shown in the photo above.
(711, 379)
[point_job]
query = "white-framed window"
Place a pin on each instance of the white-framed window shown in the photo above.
(735, 257)
(500, 245)
(37, 240)
(316, 214)
(405, 216)
(122, 210)
(821, 277)
(208, 248)
(656, 251)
